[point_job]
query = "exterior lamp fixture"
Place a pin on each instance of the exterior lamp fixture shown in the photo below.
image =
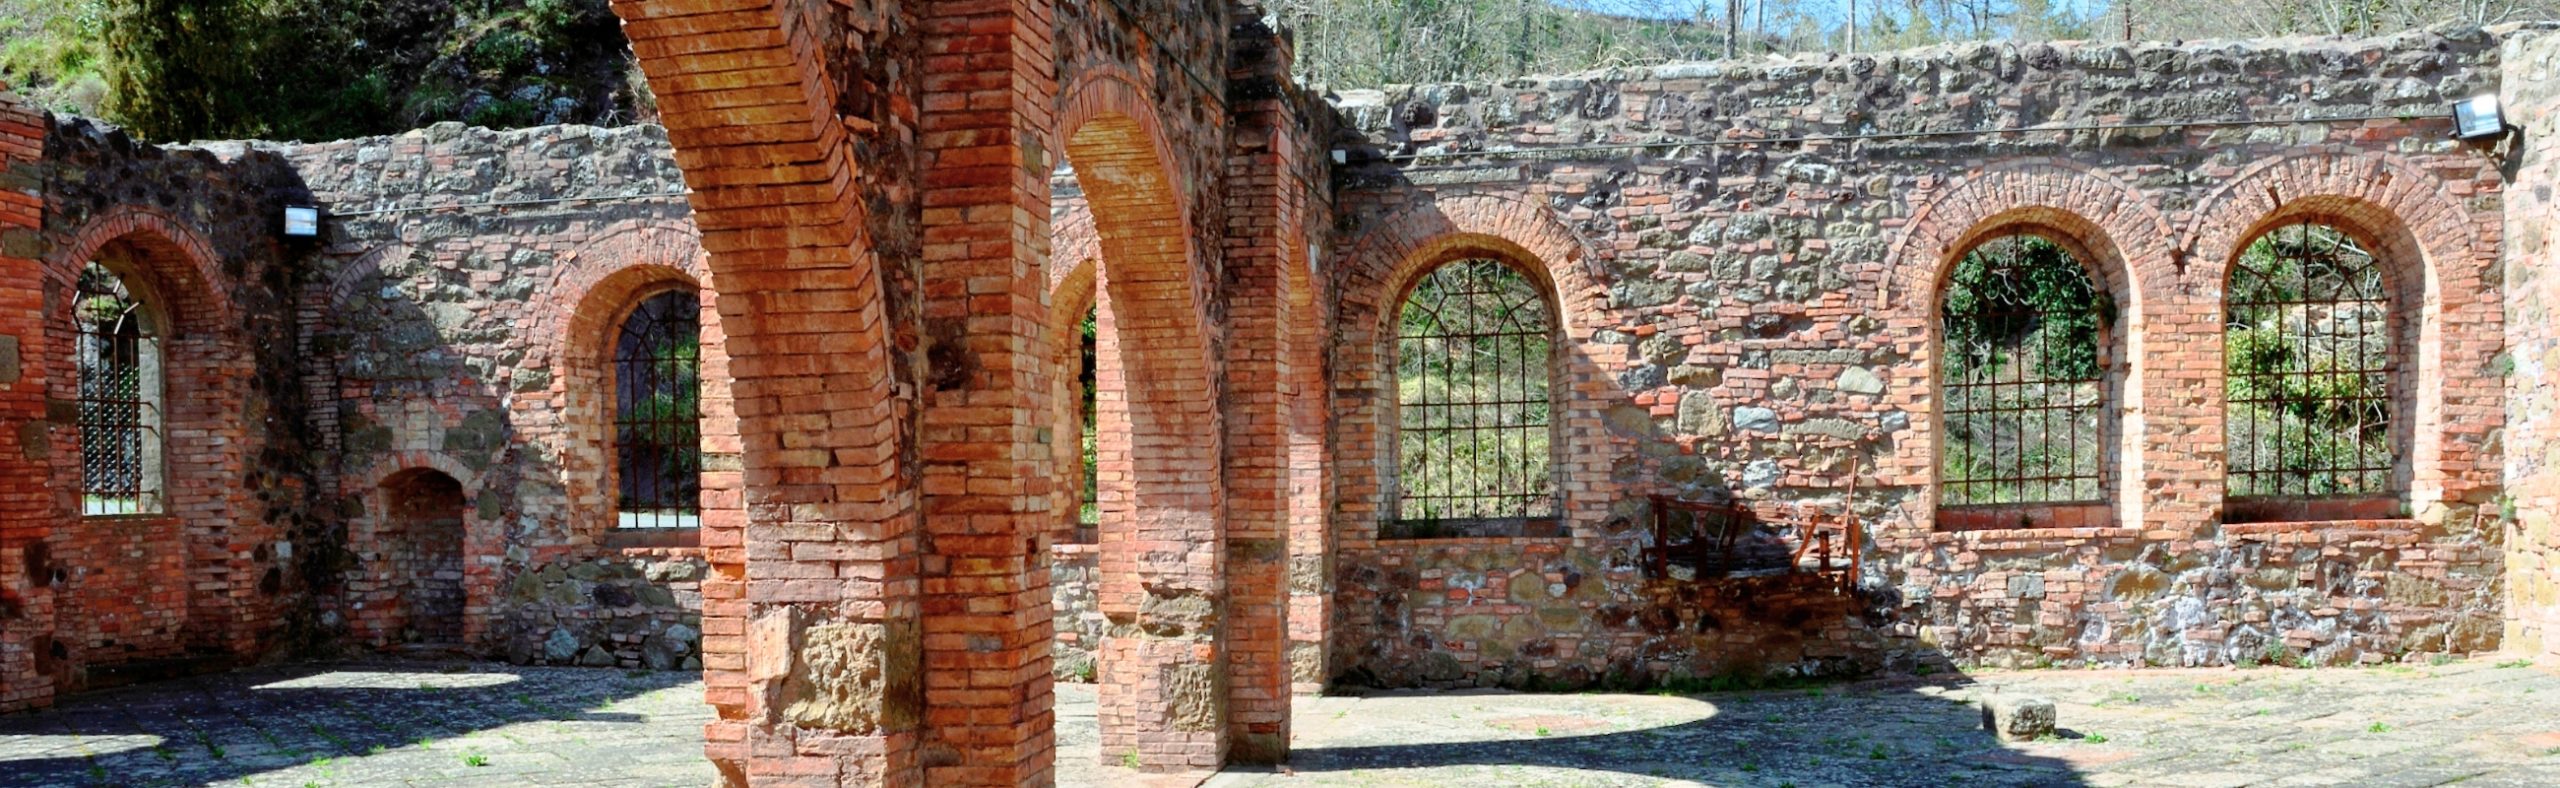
(2479, 118)
(301, 221)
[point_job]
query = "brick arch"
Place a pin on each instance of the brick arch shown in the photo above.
(207, 371)
(574, 327)
(2111, 229)
(1074, 265)
(340, 287)
(374, 616)
(2102, 213)
(1160, 455)
(2431, 255)
(1381, 266)
(1398, 249)
(177, 265)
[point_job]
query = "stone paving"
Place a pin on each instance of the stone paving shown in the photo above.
(371, 724)
(2477, 722)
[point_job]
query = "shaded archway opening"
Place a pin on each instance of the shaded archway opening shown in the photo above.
(421, 563)
(1160, 489)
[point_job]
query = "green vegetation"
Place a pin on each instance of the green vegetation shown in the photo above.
(172, 70)
(315, 69)
(2307, 354)
(2021, 376)
(1472, 350)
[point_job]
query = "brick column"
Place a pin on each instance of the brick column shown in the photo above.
(26, 502)
(1163, 539)
(812, 648)
(1263, 239)
(987, 463)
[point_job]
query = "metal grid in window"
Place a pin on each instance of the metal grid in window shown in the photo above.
(2022, 376)
(119, 398)
(2307, 357)
(1473, 349)
(657, 415)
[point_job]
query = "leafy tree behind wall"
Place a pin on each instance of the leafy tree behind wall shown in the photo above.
(174, 70)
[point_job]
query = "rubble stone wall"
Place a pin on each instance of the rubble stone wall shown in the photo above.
(2531, 94)
(1756, 317)
(460, 313)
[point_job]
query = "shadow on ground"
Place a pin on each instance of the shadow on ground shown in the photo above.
(372, 723)
(1913, 731)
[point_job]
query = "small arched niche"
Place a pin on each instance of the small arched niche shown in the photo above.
(421, 541)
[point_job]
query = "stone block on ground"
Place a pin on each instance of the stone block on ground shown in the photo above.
(2017, 717)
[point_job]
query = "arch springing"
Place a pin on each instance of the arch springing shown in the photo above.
(2022, 376)
(1474, 357)
(657, 420)
(117, 350)
(2307, 363)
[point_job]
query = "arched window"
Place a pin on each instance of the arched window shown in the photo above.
(2307, 362)
(1474, 344)
(657, 414)
(118, 352)
(2022, 376)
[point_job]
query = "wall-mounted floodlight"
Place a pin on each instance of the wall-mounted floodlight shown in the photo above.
(301, 221)
(2479, 118)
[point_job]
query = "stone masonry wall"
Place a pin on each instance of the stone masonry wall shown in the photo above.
(461, 312)
(215, 576)
(2530, 91)
(1756, 317)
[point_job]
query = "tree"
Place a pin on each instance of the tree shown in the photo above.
(175, 67)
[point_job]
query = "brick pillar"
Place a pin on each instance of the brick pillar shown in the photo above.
(1264, 215)
(812, 651)
(26, 502)
(987, 463)
(1163, 540)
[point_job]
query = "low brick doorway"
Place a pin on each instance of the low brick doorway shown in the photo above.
(422, 557)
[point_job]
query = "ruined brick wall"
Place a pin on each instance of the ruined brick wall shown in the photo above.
(26, 509)
(460, 316)
(218, 574)
(1743, 317)
(2530, 90)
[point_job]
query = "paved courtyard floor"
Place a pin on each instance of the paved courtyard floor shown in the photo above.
(2477, 722)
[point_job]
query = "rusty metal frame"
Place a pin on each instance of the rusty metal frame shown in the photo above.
(118, 411)
(2002, 393)
(1497, 337)
(2327, 301)
(657, 413)
(1726, 538)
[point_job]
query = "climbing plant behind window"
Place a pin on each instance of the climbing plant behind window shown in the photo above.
(657, 371)
(2021, 376)
(120, 397)
(1473, 344)
(2307, 357)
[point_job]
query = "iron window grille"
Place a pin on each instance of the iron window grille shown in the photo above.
(2308, 365)
(118, 354)
(657, 415)
(1473, 352)
(2022, 377)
